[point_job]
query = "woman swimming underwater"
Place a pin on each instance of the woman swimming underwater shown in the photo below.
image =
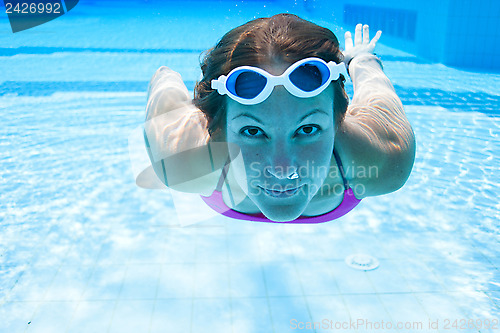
(270, 135)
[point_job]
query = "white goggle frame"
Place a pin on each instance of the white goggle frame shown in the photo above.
(283, 79)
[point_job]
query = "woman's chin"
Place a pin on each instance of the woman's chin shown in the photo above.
(282, 213)
(281, 209)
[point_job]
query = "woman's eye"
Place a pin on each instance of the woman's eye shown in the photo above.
(252, 132)
(308, 130)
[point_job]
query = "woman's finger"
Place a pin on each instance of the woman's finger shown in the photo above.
(348, 40)
(366, 34)
(376, 38)
(357, 34)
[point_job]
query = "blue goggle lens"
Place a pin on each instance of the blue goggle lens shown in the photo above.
(246, 84)
(310, 76)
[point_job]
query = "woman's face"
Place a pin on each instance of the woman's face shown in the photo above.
(279, 137)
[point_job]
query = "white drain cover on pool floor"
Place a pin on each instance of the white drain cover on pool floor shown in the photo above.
(361, 261)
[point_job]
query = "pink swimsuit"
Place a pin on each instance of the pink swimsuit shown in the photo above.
(349, 201)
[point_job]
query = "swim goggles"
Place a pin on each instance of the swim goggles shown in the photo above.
(252, 85)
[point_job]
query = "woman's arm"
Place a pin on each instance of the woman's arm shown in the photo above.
(177, 139)
(375, 140)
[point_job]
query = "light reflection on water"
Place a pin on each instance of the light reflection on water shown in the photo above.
(80, 238)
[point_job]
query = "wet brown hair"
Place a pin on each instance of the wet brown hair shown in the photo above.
(282, 38)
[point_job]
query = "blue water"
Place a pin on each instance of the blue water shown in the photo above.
(82, 249)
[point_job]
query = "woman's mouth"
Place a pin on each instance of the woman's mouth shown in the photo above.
(286, 193)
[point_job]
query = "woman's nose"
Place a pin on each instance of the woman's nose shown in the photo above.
(282, 163)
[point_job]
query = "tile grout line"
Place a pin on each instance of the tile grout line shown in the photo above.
(42, 301)
(377, 292)
(229, 282)
(195, 268)
(338, 287)
(156, 291)
(265, 286)
(112, 318)
(443, 292)
(5, 298)
(304, 298)
(85, 288)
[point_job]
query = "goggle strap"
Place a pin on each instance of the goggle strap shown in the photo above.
(339, 68)
(219, 85)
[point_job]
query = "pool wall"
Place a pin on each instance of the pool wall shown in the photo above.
(459, 33)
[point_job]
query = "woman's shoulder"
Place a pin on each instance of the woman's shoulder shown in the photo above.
(177, 139)
(329, 195)
(197, 170)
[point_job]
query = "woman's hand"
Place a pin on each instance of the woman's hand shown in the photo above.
(362, 43)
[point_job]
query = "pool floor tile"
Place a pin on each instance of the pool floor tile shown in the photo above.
(495, 297)
(406, 312)
(387, 278)
(176, 281)
(140, 282)
(246, 280)
(211, 280)
(52, 317)
(92, 316)
(330, 312)
(211, 249)
(132, 316)
(33, 284)
(251, 315)
(475, 304)
(69, 283)
(443, 308)
(281, 279)
(16, 316)
(350, 280)
(211, 315)
(317, 278)
(172, 315)
(242, 248)
(367, 311)
(288, 312)
(418, 277)
(105, 283)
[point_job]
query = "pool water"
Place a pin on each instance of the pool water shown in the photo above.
(83, 249)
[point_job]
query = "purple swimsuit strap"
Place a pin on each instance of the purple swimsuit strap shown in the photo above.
(216, 202)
